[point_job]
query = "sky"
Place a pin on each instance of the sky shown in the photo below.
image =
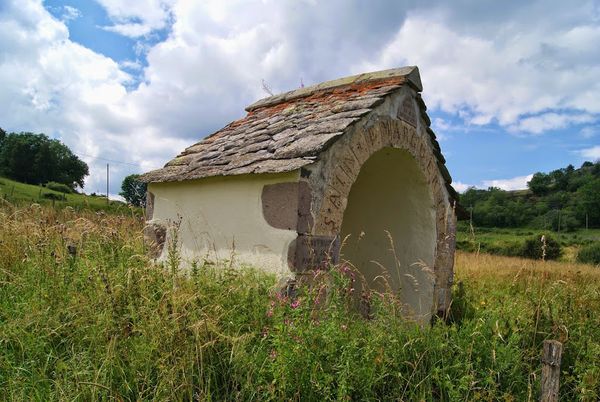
(512, 87)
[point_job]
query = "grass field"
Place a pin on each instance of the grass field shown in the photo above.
(84, 315)
(499, 239)
(18, 193)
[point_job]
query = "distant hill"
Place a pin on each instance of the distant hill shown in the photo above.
(18, 193)
(563, 199)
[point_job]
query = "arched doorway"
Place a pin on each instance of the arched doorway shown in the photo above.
(389, 227)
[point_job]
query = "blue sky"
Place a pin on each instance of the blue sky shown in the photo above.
(136, 82)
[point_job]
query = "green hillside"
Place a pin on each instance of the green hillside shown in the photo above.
(562, 200)
(17, 193)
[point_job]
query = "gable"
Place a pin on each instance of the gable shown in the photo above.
(286, 132)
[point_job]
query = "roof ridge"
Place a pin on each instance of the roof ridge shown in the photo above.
(410, 73)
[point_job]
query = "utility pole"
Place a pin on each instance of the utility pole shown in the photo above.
(107, 180)
(471, 215)
(586, 221)
(471, 222)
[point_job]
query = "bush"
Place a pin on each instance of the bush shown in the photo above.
(533, 247)
(60, 187)
(506, 248)
(54, 196)
(466, 245)
(590, 254)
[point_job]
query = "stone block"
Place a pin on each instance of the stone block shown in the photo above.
(309, 252)
(155, 235)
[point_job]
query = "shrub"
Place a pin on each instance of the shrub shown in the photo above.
(466, 245)
(533, 247)
(590, 254)
(507, 248)
(60, 187)
(54, 196)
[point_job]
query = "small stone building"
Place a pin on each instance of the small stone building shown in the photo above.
(346, 170)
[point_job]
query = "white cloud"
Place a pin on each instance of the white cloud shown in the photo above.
(550, 121)
(592, 153)
(516, 183)
(503, 75)
(137, 18)
(484, 64)
(50, 84)
(132, 65)
(589, 131)
(461, 187)
(70, 13)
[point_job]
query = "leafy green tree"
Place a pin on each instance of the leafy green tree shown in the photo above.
(134, 190)
(573, 192)
(37, 159)
(2, 136)
(69, 168)
(588, 202)
(540, 184)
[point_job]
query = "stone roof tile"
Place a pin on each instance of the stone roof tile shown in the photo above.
(285, 132)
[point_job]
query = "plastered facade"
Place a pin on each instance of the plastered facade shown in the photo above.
(221, 219)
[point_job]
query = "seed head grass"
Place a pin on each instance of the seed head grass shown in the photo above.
(85, 315)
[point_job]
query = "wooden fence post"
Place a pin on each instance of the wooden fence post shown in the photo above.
(551, 357)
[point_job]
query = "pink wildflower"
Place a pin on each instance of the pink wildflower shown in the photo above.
(295, 304)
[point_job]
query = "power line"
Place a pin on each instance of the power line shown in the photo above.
(110, 160)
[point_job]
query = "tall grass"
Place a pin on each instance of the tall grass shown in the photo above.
(85, 315)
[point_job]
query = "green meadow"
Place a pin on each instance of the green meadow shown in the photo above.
(85, 315)
(16, 193)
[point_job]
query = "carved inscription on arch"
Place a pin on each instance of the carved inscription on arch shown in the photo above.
(399, 134)
(407, 112)
(394, 133)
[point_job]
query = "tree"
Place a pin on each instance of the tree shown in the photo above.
(587, 164)
(2, 136)
(134, 190)
(37, 159)
(588, 202)
(540, 183)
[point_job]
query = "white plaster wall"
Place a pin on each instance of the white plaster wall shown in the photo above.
(391, 194)
(222, 217)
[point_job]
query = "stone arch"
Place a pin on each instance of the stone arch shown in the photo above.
(388, 229)
(362, 145)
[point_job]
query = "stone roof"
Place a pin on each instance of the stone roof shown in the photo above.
(284, 132)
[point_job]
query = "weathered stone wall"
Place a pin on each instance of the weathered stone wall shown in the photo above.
(400, 122)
